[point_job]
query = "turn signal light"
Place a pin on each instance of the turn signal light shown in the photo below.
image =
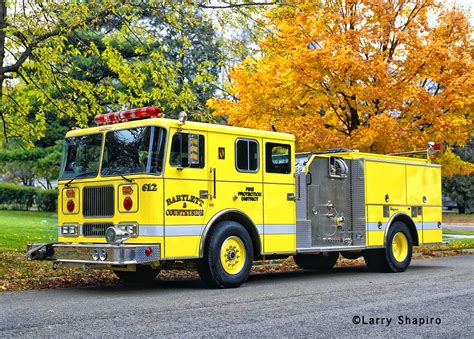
(70, 205)
(127, 189)
(127, 203)
(70, 193)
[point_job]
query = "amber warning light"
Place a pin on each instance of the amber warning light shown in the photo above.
(132, 114)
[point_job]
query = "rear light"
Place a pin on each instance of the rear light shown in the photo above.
(436, 147)
(70, 193)
(70, 205)
(127, 203)
(132, 114)
(127, 189)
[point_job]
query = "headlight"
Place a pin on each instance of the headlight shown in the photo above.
(69, 230)
(131, 229)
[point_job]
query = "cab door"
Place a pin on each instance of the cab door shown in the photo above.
(236, 176)
(279, 197)
(185, 192)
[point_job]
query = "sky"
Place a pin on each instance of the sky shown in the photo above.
(469, 5)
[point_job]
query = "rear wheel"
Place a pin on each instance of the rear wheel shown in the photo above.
(396, 256)
(144, 274)
(321, 261)
(228, 256)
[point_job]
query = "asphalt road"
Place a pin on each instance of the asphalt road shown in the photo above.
(292, 304)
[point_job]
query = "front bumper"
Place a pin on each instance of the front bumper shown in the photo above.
(84, 253)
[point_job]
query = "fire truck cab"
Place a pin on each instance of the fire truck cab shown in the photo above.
(140, 193)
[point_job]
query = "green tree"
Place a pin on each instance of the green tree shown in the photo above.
(26, 28)
(94, 56)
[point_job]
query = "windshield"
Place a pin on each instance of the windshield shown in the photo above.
(135, 150)
(81, 156)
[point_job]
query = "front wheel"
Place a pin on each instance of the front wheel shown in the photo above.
(396, 256)
(228, 256)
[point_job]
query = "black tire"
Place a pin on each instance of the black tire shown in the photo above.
(211, 268)
(384, 260)
(351, 255)
(321, 261)
(143, 275)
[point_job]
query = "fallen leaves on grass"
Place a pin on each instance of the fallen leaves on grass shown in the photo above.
(18, 274)
(444, 250)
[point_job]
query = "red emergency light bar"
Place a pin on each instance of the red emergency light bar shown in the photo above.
(132, 114)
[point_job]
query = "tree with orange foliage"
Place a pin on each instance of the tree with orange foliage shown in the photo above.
(378, 76)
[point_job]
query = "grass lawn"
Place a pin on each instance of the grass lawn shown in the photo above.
(18, 228)
(455, 218)
(456, 232)
(468, 243)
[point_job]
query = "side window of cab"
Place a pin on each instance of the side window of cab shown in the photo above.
(179, 155)
(277, 158)
(247, 155)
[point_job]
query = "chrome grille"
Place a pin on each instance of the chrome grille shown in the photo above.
(95, 229)
(98, 201)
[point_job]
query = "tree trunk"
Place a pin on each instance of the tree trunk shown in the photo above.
(3, 26)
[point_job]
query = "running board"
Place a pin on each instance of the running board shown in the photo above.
(330, 249)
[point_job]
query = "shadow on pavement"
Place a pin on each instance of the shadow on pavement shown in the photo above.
(347, 272)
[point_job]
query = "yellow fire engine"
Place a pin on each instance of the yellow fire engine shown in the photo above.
(140, 193)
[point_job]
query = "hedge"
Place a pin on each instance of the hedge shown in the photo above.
(46, 200)
(24, 197)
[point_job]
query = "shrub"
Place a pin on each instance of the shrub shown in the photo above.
(46, 200)
(23, 197)
(16, 197)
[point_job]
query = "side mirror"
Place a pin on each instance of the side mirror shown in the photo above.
(193, 149)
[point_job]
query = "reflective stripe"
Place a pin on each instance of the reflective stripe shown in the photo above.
(170, 230)
(276, 229)
(150, 230)
(431, 226)
(181, 230)
(279, 228)
(374, 226)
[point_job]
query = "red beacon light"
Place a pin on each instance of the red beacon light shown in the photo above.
(433, 148)
(132, 114)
